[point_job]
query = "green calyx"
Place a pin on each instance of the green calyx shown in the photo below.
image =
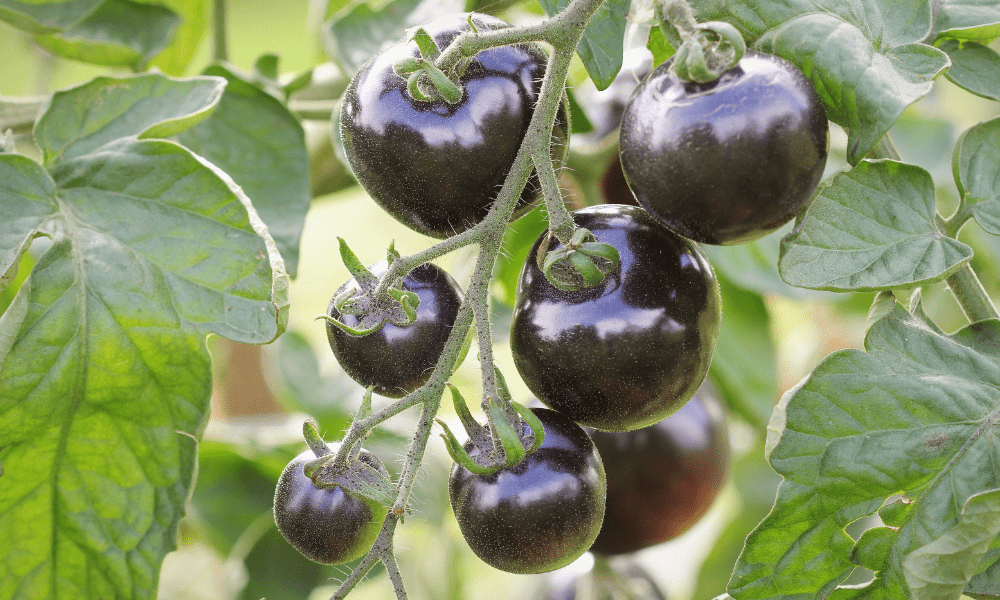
(704, 50)
(581, 263)
(501, 444)
(396, 306)
(425, 81)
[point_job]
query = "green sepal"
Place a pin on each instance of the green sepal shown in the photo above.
(448, 89)
(728, 34)
(477, 433)
(459, 455)
(360, 479)
(366, 403)
(581, 263)
(513, 450)
(406, 66)
(409, 301)
(391, 254)
(428, 49)
(413, 87)
(472, 25)
(311, 467)
(696, 66)
(314, 440)
(347, 328)
(361, 274)
(533, 423)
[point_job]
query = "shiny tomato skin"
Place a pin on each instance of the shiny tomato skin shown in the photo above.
(632, 350)
(397, 360)
(540, 514)
(327, 525)
(730, 161)
(662, 479)
(436, 167)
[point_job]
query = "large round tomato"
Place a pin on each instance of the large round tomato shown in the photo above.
(631, 350)
(729, 161)
(397, 360)
(438, 167)
(540, 514)
(663, 478)
(327, 525)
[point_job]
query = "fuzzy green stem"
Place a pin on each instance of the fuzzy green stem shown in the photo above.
(560, 221)
(971, 295)
(221, 49)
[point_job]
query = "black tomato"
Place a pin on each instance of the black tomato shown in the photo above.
(663, 478)
(542, 513)
(397, 360)
(436, 167)
(327, 525)
(631, 350)
(729, 161)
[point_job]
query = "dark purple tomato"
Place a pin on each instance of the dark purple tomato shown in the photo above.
(729, 161)
(542, 513)
(397, 360)
(327, 525)
(662, 478)
(436, 167)
(631, 350)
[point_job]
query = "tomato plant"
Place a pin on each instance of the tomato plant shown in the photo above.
(663, 478)
(437, 166)
(540, 514)
(157, 166)
(632, 350)
(327, 525)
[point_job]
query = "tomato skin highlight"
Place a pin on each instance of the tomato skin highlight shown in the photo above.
(397, 360)
(730, 161)
(631, 350)
(435, 167)
(327, 525)
(662, 479)
(540, 514)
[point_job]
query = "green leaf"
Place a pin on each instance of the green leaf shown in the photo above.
(352, 37)
(142, 106)
(976, 164)
(44, 17)
(743, 366)
(261, 145)
(105, 379)
(986, 584)
(120, 33)
(659, 46)
(967, 19)
(942, 568)
(974, 67)
(871, 228)
(914, 414)
(517, 240)
(865, 87)
(602, 46)
(189, 36)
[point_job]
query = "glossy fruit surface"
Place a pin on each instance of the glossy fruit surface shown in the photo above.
(327, 525)
(632, 350)
(663, 478)
(397, 360)
(729, 161)
(437, 167)
(540, 514)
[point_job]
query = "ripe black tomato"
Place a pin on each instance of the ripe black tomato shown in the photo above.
(728, 161)
(436, 167)
(631, 350)
(542, 513)
(397, 360)
(663, 478)
(327, 525)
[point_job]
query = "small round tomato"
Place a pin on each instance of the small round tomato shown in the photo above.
(729, 161)
(631, 350)
(437, 167)
(327, 525)
(397, 360)
(663, 478)
(540, 514)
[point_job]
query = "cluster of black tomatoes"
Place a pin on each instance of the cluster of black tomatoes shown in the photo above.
(632, 448)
